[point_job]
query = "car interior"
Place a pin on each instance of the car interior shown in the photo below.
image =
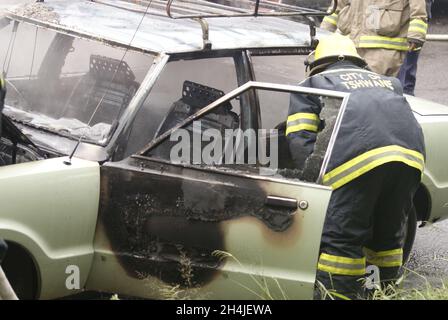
(109, 82)
(196, 96)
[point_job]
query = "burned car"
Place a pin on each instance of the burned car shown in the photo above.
(93, 196)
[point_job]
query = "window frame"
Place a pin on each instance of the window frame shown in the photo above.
(146, 84)
(251, 85)
(243, 72)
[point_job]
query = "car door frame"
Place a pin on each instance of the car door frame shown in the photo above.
(254, 85)
(243, 72)
(299, 285)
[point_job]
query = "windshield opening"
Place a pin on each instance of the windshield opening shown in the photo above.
(70, 86)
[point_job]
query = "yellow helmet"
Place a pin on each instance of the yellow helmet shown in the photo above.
(331, 49)
(336, 45)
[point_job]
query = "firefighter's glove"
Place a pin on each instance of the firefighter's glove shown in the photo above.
(415, 45)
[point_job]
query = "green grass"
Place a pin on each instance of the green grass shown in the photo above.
(413, 285)
(266, 288)
(425, 291)
(428, 292)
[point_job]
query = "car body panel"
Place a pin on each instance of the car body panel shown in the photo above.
(156, 218)
(433, 118)
(50, 208)
(435, 176)
(427, 108)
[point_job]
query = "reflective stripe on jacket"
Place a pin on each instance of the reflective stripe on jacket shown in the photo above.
(387, 24)
(378, 125)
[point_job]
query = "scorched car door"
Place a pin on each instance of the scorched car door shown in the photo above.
(211, 234)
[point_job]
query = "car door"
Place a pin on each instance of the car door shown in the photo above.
(188, 229)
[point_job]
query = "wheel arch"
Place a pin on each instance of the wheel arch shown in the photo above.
(20, 241)
(22, 270)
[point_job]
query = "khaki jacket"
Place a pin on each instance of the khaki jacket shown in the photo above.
(388, 24)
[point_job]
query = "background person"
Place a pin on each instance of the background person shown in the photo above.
(408, 71)
(383, 33)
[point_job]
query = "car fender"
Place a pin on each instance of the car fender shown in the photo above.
(50, 208)
(433, 118)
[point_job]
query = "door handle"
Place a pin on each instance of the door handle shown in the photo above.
(276, 201)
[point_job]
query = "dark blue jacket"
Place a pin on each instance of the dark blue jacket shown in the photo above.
(378, 125)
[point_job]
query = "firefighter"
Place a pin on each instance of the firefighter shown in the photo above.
(374, 169)
(383, 32)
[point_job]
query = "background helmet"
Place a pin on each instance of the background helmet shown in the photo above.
(332, 49)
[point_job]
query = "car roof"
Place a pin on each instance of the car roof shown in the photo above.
(109, 21)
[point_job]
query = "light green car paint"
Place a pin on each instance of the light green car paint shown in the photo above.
(433, 119)
(50, 208)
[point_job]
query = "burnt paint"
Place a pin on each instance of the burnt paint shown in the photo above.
(158, 217)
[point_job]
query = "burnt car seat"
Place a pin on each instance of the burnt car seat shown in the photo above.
(110, 81)
(195, 97)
